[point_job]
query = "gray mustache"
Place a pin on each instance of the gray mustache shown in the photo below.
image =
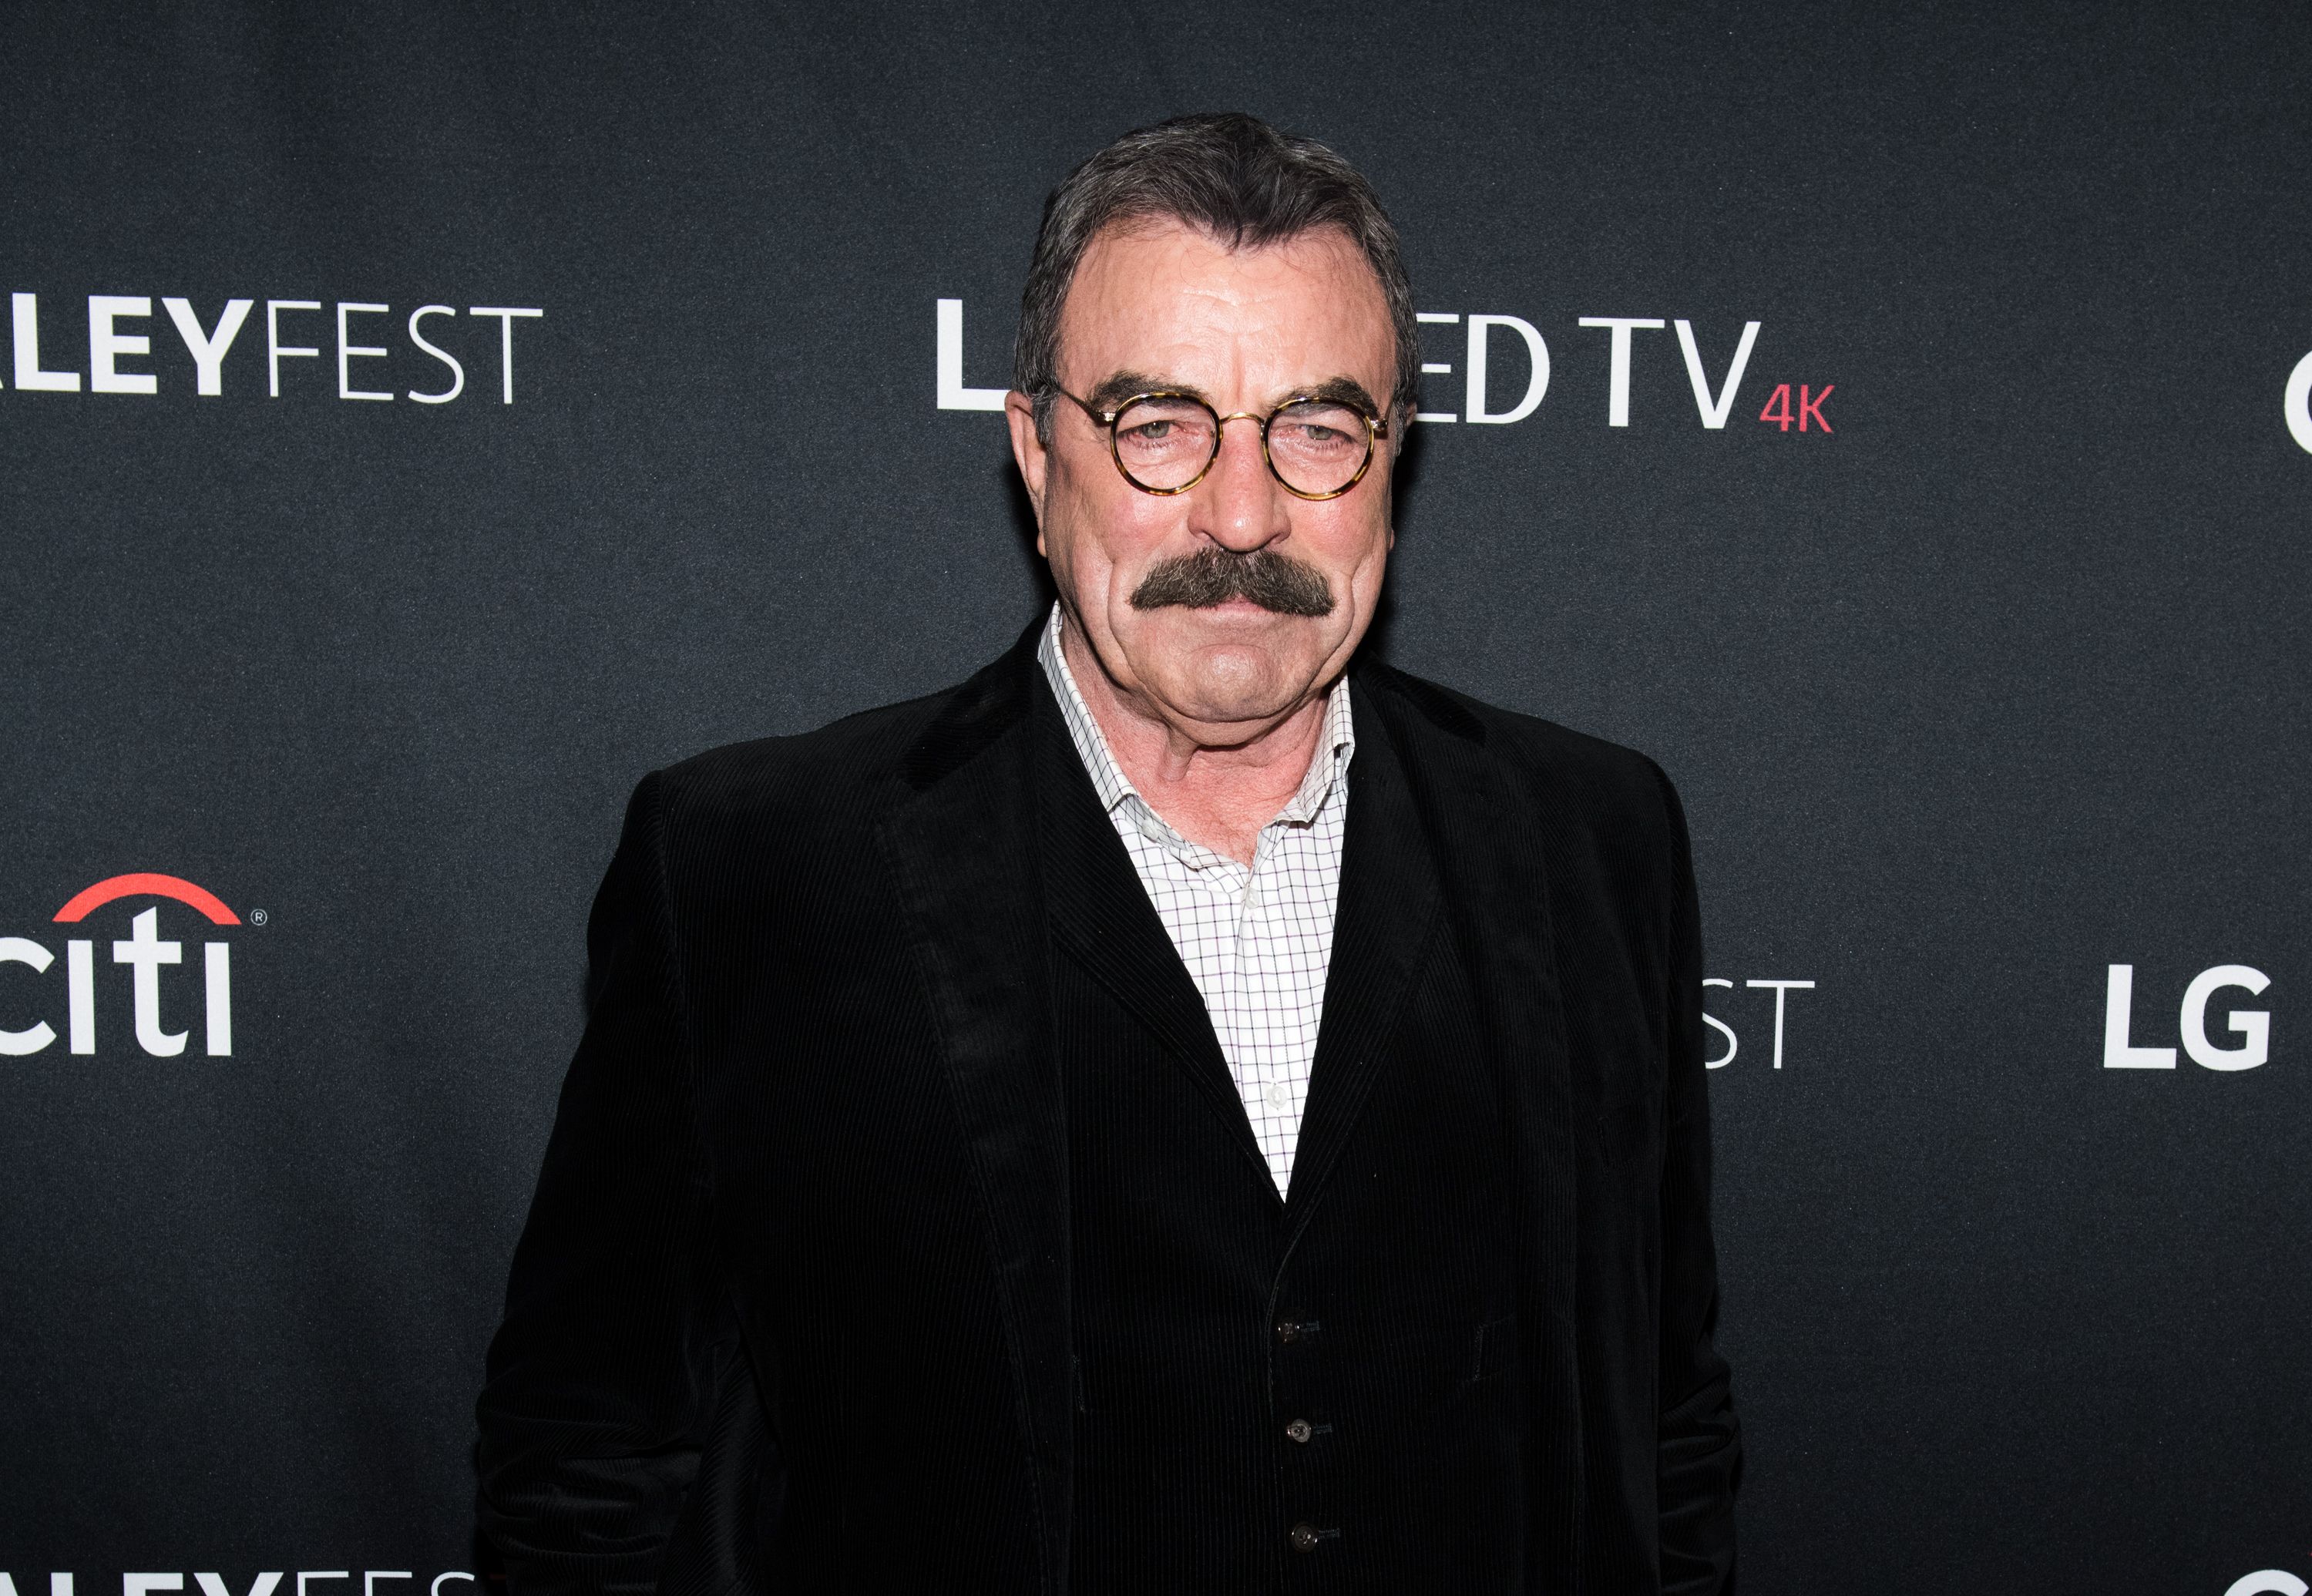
(1211, 577)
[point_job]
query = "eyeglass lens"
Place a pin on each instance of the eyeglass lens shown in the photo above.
(1315, 446)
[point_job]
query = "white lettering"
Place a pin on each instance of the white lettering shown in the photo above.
(208, 349)
(506, 337)
(1782, 989)
(1617, 379)
(2296, 403)
(214, 1584)
(138, 1584)
(1474, 406)
(372, 1575)
(2254, 1024)
(1434, 369)
(1733, 1045)
(2269, 1582)
(144, 953)
(275, 349)
(304, 1575)
(952, 394)
(2118, 1008)
(216, 959)
(1715, 411)
(59, 1585)
(81, 986)
(350, 352)
(25, 312)
(20, 950)
(440, 1578)
(106, 346)
(80, 982)
(457, 372)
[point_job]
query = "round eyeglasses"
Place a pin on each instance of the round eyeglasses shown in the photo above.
(1165, 442)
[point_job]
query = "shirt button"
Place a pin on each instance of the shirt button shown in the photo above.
(1298, 1430)
(1304, 1538)
(1279, 1095)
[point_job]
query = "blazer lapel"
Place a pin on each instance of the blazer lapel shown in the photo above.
(1383, 924)
(1101, 916)
(1494, 847)
(958, 839)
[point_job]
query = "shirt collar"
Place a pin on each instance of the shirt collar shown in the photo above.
(1337, 743)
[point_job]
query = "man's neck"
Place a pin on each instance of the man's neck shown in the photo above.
(1217, 795)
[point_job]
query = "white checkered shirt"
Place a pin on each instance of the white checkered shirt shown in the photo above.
(1256, 940)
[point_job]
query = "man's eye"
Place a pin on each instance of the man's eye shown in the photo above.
(1150, 432)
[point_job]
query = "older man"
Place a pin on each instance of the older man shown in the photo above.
(1190, 1109)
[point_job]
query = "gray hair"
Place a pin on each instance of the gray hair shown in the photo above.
(1238, 179)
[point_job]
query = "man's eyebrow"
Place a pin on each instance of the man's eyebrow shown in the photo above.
(1124, 385)
(1115, 389)
(1345, 391)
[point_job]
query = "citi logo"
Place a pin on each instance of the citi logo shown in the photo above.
(2252, 1026)
(144, 951)
(1488, 401)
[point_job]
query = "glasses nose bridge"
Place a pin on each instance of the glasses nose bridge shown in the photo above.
(1219, 436)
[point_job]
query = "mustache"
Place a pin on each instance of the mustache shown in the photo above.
(1211, 577)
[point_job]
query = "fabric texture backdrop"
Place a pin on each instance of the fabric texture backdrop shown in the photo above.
(1982, 668)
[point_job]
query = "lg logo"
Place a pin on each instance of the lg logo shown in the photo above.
(2252, 1026)
(144, 951)
(1488, 402)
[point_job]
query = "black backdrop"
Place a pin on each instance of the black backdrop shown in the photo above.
(1983, 675)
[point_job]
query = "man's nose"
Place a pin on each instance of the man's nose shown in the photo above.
(1239, 505)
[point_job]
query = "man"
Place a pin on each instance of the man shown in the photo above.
(1188, 1110)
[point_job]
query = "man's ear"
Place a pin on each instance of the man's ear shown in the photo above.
(1029, 453)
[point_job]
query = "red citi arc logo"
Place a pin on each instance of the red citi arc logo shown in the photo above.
(144, 951)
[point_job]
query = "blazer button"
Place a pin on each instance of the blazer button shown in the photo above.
(1298, 1430)
(1304, 1538)
(1287, 1332)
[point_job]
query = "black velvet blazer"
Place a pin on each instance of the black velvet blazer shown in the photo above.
(792, 1308)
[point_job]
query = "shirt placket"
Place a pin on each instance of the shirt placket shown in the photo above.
(1266, 1068)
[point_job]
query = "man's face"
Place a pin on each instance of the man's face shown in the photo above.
(1163, 306)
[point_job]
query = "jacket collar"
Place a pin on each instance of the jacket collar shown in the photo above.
(1002, 832)
(957, 838)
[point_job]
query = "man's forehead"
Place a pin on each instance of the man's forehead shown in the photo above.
(1150, 296)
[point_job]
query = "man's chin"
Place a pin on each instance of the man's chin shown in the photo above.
(1223, 692)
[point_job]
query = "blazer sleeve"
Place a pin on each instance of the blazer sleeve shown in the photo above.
(602, 1378)
(1700, 1443)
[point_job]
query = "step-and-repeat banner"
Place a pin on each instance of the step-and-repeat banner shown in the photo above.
(417, 423)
